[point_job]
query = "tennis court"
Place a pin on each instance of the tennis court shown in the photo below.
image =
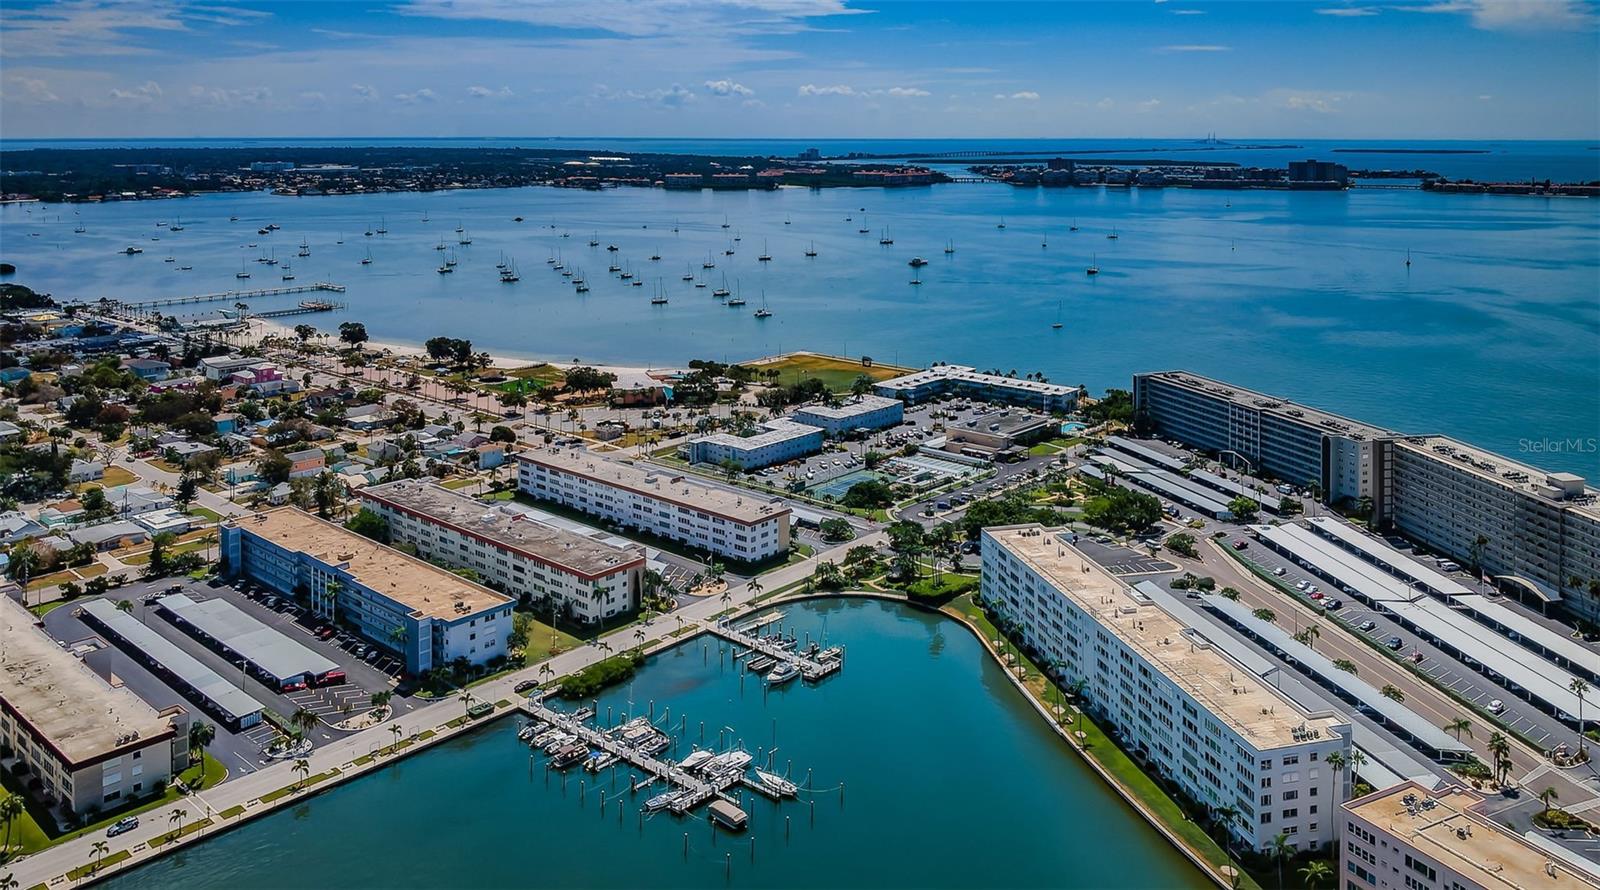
(838, 485)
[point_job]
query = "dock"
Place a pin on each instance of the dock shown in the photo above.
(234, 296)
(696, 790)
(813, 668)
(305, 307)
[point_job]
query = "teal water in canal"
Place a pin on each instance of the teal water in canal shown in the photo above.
(951, 780)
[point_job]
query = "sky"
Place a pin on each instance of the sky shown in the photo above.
(1353, 69)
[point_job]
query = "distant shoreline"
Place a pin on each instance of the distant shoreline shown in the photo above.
(1411, 151)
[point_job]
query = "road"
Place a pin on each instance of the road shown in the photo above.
(44, 867)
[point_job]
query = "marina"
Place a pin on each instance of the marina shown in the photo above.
(783, 657)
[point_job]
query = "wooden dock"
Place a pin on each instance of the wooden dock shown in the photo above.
(812, 667)
(235, 296)
(305, 307)
(695, 790)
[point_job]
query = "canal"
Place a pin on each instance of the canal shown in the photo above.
(950, 780)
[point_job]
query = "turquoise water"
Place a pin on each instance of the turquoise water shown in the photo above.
(1490, 335)
(950, 781)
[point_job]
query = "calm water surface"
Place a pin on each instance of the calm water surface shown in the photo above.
(1492, 334)
(950, 781)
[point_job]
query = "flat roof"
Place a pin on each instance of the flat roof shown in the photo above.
(1402, 563)
(209, 684)
(775, 431)
(1444, 825)
(1235, 696)
(853, 407)
(77, 713)
(422, 586)
(971, 375)
(1507, 473)
(1523, 626)
(505, 526)
(1336, 424)
(1279, 638)
(1365, 578)
(1011, 420)
(671, 486)
(1537, 676)
(1165, 481)
(275, 654)
(1145, 452)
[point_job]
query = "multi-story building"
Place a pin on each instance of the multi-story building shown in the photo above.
(1537, 532)
(426, 615)
(89, 745)
(731, 525)
(864, 412)
(507, 547)
(778, 441)
(1197, 717)
(1408, 837)
(960, 380)
(998, 433)
(1293, 442)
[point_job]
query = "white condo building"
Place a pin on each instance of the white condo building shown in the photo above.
(960, 380)
(779, 441)
(1408, 837)
(514, 551)
(1199, 718)
(665, 503)
(864, 412)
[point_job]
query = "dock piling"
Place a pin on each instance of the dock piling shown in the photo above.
(785, 828)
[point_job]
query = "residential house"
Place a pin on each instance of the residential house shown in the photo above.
(9, 431)
(188, 452)
(368, 417)
(227, 423)
(158, 521)
(15, 525)
(491, 455)
(309, 462)
(147, 369)
(86, 471)
(109, 535)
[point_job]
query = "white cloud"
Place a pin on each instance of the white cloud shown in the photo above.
(313, 98)
(1195, 48)
(1021, 95)
(106, 27)
(1485, 97)
(1150, 105)
(482, 92)
(422, 95)
(1349, 11)
(643, 18)
(906, 92)
(35, 90)
(728, 88)
(1105, 103)
(812, 89)
(1516, 15)
(1188, 12)
(1318, 103)
(225, 97)
(144, 94)
(672, 97)
(365, 92)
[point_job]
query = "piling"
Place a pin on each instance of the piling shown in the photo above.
(786, 828)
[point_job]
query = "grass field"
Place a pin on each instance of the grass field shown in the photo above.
(28, 837)
(836, 373)
(532, 378)
(1055, 446)
(81, 573)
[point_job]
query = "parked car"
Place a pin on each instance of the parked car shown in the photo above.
(1395, 643)
(1301, 585)
(1334, 605)
(525, 685)
(1279, 571)
(371, 656)
(1368, 626)
(1497, 707)
(1240, 544)
(1316, 594)
(122, 826)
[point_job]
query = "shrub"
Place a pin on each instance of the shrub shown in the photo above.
(589, 681)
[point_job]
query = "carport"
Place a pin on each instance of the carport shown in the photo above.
(272, 656)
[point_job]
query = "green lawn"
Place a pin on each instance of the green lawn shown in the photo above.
(89, 868)
(941, 586)
(179, 833)
(203, 513)
(287, 790)
(28, 836)
(44, 609)
(1055, 446)
(837, 374)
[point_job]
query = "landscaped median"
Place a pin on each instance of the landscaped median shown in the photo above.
(301, 785)
(180, 833)
(1135, 786)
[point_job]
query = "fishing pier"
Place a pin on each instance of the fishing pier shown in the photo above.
(814, 662)
(234, 296)
(306, 306)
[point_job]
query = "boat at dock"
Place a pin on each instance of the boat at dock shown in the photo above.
(727, 815)
(783, 673)
(695, 761)
(764, 663)
(570, 755)
(556, 743)
(776, 785)
(661, 801)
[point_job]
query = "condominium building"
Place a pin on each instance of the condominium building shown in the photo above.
(960, 380)
(427, 615)
(1195, 715)
(1535, 531)
(90, 745)
(864, 412)
(589, 578)
(731, 525)
(778, 441)
(1290, 441)
(1409, 837)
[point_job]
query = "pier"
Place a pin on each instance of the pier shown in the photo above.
(304, 307)
(235, 296)
(813, 666)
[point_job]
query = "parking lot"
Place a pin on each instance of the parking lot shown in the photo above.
(1120, 560)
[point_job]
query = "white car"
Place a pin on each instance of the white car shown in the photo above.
(1301, 585)
(1497, 707)
(1279, 571)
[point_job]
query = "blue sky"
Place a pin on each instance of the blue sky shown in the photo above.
(802, 68)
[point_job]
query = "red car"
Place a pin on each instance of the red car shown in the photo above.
(1240, 544)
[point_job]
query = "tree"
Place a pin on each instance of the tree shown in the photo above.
(305, 332)
(1579, 687)
(24, 563)
(1308, 637)
(586, 379)
(369, 525)
(175, 819)
(1547, 797)
(201, 735)
(304, 719)
(1500, 750)
(1314, 873)
(1392, 691)
(1121, 510)
(1183, 544)
(274, 467)
(11, 807)
(1281, 848)
(1266, 615)
(1459, 726)
(353, 332)
(868, 494)
(157, 566)
(1335, 760)
(501, 433)
(100, 849)
(1345, 664)
(1229, 593)
(302, 768)
(1244, 509)
(380, 700)
(1288, 506)
(861, 385)
(730, 468)
(835, 530)
(187, 488)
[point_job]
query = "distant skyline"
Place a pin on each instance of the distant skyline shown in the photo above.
(1417, 69)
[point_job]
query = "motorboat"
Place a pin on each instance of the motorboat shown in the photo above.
(696, 760)
(783, 673)
(776, 784)
(561, 740)
(569, 755)
(661, 801)
(917, 262)
(729, 760)
(765, 662)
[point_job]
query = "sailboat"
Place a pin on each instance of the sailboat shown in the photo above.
(1408, 258)
(508, 273)
(80, 229)
(1113, 235)
(812, 250)
(655, 257)
(688, 273)
(367, 260)
(305, 248)
(883, 237)
(660, 298)
(243, 272)
(674, 225)
(1094, 266)
(615, 267)
(736, 300)
(709, 263)
(724, 220)
(722, 292)
(1002, 223)
(786, 219)
(594, 240)
(341, 238)
(729, 251)
(737, 237)
(949, 247)
(383, 225)
(176, 226)
(464, 239)
(502, 264)
(765, 257)
(440, 245)
(1073, 227)
(424, 216)
(288, 273)
(763, 312)
(1057, 325)
(1044, 241)
(460, 228)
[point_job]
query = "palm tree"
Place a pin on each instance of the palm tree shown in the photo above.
(9, 881)
(1345, 664)
(380, 700)
(302, 768)
(11, 807)
(1547, 796)
(1357, 761)
(1281, 848)
(1458, 726)
(1500, 749)
(466, 698)
(1392, 691)
(1315, 872)
(1308, 637)
(1266, 615)
(1336, 761)
(396, 731)
(1579, 687)
(545, 670)
(175, 818)
(639, 636)
(304, 719)
(201, 735)
(1225, 816)
(100, 849)
(755, 586)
